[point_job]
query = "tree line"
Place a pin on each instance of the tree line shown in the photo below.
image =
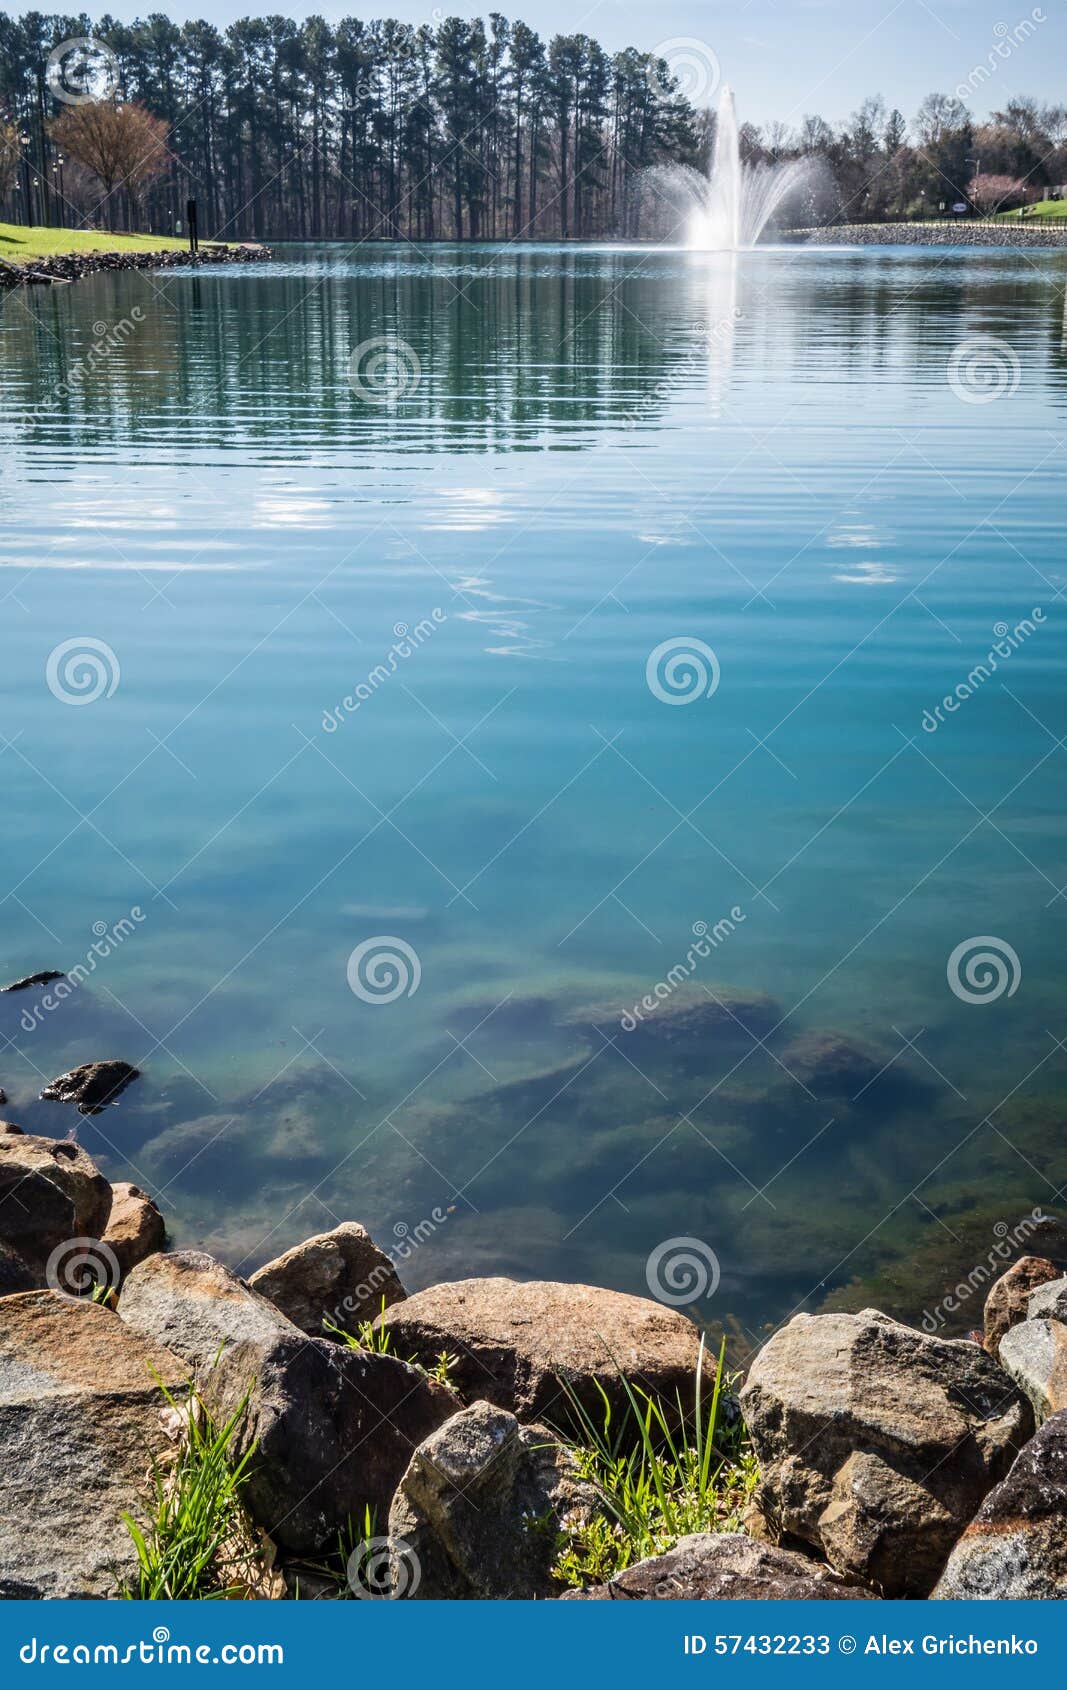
(458, 129)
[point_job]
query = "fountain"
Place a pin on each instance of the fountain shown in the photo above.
(727, 210)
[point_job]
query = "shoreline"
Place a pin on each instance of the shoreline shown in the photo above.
(75, 266)
(928, 234)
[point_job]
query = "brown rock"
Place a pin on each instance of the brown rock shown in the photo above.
(79, 1426)
(341, 1276)
(480, 1509)
(514, 1342)
(135, 1226)
(1015, 1548)
(92, 1087)
(333, 1428)
(50, 1194)
(876, 1443)
(726, 1567)
(1007, 1301)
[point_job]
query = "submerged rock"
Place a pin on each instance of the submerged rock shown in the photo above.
(92, 1086)
(685, 1017)
(80, 1421)
(1035, 1354)
(45, 978)
(725, 1567)
(1008, 1300)
(832, 1064)
(341, 1276)
(51, 1193)
(1015, 1548)
(514, 1343)
(479, 1511)
(135, 1227)
(876, 1443)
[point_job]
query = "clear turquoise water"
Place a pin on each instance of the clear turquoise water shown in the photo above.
(607, 449)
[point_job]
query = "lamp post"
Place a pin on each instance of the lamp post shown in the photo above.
(27, 204)
(977, 178)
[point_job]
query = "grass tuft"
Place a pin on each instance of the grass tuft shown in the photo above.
(690, 1469)
(199, 1543)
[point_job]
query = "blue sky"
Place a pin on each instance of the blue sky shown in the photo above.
(784, 57)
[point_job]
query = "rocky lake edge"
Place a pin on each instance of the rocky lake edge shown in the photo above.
(73, 267)
(435, 1445)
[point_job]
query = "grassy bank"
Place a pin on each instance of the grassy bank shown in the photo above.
(1044, 211)
(21, 245)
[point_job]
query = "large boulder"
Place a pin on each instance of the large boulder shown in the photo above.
(51, 1193)
(333, 1428)
(479, 1511)
(135, 1227)
(726, 1567)
(877, 1443)
(1035, 1354)
(93, 1086)
(1015, 1548)
(514, 1343)
(1008, 1299)
(340, 1276)
(80, 1424)
(1049, 1302)
(194, 1305)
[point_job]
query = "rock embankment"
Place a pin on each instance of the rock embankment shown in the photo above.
(933, 234)
(892, 1464)
(71, 267)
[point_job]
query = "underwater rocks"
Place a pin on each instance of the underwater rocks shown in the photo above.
(514, 1344)
(340, 1276)
(877, 1444)
(466, 1503)
(683, 1017)
(831, 1064)
(79, 1426)
(725, 1567)
(92, 1087)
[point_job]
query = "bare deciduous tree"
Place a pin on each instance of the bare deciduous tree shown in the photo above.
(124, 145)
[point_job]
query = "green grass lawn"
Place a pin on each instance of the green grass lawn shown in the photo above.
(1045, 211)
(21, 245)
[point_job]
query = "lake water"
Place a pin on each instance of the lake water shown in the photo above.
(801, 460)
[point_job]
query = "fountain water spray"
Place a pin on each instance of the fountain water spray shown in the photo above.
(727, 210)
